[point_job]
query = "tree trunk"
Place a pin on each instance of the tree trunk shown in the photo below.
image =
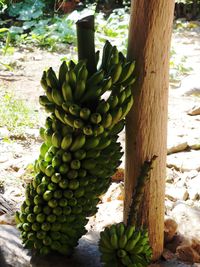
(146, 130)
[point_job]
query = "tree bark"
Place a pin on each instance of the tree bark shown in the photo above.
(146, 129)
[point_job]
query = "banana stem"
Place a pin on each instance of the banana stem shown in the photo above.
(139, 190)
(85, 42)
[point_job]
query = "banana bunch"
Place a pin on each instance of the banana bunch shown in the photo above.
(122, 245)
(80, 151)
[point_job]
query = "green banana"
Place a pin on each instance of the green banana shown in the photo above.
(106, 53)
(60, 114)
(88, 164)
(106, 85)
(49, 107)
(127, 106)
(51, 79)
(103, 107)
(107, 120)
(69, 120)
(113, 101)
(128, 91)
(96, 78)
(57, 97)
(114, 56)
(117, 128)
(78, 142)
(98, 129)
(95, 118)
(121, 253)
(93, 153)
(78, 123)
(85, 113)
(67, 92)
(82, 74)
(104, 142)
(62, 73)
(114, 241)
(71, 65)
(56, 139)
(130, 81)
(129, 231)
(116, 116)
(74, 110)
(127, 71)
(49, 94)
(133, 241)
(88, 130)
(66, 106)
(91, 143)
(121, 97)
(120, 229)
(72, 78)
(91, 94)
(66, 141)
(80, 89)
(79, 65)
(115, 72)
(43, 100)
(126, 260)
(122, 241)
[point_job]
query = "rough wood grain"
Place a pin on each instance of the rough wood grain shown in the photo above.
(146, 130)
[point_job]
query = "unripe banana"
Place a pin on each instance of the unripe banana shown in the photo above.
(62, 73)
(96, 78)
(122, 241)
(78, 123)
(85, 113)
(91, 143)
(129, 231)
(66, 141)
(115, 72)
(79, 90)
(67, 92)
(60, 115)
(106, 53)
(116, 116)
(113, 101)
(127, 105)
(117, 128)
(95, 118)
(88, 130)
(127, 71)
(69, 120)
(51, 79)
(43, 100)
(82, 73)
(114, 241)
(107, 120)
(74, 110)
(57, 97)
(78, 142)
(103, 107)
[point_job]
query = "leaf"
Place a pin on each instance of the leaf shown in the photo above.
(2, 30)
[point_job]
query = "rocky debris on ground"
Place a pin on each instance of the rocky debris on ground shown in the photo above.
(194, 111)
(184, 161)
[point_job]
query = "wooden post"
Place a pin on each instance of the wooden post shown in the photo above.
(146, 129)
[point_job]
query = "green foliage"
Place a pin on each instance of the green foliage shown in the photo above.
(27, 10)
(15, 114)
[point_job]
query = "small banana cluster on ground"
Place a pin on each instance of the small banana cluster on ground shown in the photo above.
(80, 151)
(122, 245)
